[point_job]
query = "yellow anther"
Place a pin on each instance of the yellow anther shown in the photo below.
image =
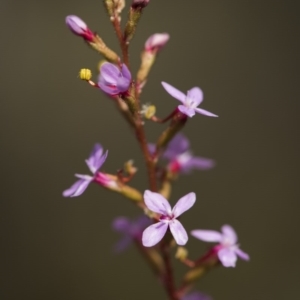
(181, 253)
(148, 111)
(85, 74)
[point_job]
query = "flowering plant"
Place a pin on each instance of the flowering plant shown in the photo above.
(158, 230)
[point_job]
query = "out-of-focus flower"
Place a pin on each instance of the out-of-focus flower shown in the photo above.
(227, 250)
(112, 80)
(196, 296)
(94, 163)
(190, 101)
(130, 229)
(139, 4)
(78, 27)
(168, 218)
(156, 41)
(181, 159)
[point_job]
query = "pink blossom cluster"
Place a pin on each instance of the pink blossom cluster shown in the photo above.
(159, 228)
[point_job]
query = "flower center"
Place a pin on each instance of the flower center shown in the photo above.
(166, 218)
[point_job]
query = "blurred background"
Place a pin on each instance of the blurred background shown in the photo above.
(245, 57)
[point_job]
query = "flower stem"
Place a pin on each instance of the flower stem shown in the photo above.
(122, 42)
(168, 276)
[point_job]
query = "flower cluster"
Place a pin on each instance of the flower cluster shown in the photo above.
(159, 228)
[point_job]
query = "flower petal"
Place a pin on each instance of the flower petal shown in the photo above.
(178, 232)
(125, 72)
(196, 95)
(109, 72)
(190, 112)
(199, 163)
(154, 233)
(121, 224)
(205, 112)
(227, 257)
(96, 158)
(229, 234)
(207, 235)
(183, 204)
(179, 144)
(241, 254)
(157, 203)
(174, 92)
(77, 188)
(106, 88)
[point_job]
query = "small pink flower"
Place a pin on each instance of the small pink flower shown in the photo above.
(94, 163)
(78, 27)
(190, 101)
(168, 218)
(227, 250)
(156, 41)
(114, 81)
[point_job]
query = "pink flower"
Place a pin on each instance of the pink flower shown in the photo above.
(180, 157)
(228, 250)
(114, 81)
(168, 218)
(190, 101)
(156, 41)
(94, 163)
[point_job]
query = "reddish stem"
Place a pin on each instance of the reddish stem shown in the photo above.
(168, 276)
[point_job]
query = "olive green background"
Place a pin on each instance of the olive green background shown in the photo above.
(243, 54)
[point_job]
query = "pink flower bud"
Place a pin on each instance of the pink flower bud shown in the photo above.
(138, 4)
(156, 41)
(78, 27)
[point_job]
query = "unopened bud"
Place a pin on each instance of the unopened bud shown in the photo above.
(129, 168)
(78, 27)
(148, 111)
(139, 4)
(156, 41)
(114, 6)
(85, 74)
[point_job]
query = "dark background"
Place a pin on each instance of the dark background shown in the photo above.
(243, 54)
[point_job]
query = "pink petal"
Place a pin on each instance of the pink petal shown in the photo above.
(243, 255)
(227, 257)
(229, 234)
(109, 72)
(121, 224)
(174, 92)
(96, 159)
(196, 95)
(205, 112)
(207, 235)
(157, 203)
(190, 112)
(154, 233)
(178, 232)
(125, 72)
(77, 188)
(183, 204)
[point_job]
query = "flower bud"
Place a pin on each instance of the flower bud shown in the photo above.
(78, 27)
(85, 74)
(139, 4)
(156, 41)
